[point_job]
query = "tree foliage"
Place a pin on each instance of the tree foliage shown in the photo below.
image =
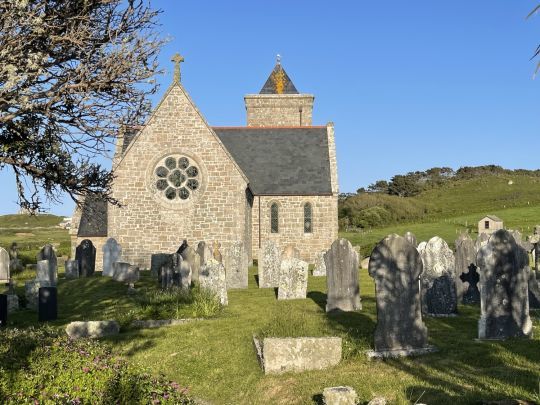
(72, 74)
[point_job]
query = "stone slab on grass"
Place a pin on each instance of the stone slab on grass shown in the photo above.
(92, 329)
(339, 396)
(282, 355)
(158, 323)
(393, 354)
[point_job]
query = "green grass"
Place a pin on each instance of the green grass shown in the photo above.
(31, 233)
(523, 219)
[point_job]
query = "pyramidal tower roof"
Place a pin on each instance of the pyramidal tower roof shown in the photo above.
(278, 82)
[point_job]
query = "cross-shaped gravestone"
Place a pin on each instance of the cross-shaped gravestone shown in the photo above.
(177, 59)
(472, 295)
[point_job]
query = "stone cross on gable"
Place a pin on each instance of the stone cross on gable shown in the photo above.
(177, 59)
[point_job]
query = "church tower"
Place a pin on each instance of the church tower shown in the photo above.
(279, 104)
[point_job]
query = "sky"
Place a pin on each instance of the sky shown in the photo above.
(409, 85)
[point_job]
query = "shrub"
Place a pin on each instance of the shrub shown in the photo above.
(39, 366)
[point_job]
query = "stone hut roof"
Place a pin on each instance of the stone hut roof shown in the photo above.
(493, 218)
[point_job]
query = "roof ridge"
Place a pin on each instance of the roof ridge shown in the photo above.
(272, 127)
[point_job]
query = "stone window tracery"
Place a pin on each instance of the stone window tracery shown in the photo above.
(177, 177)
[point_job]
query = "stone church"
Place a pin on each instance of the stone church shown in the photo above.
(179, 178)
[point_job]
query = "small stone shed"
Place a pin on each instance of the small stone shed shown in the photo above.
(489, 224)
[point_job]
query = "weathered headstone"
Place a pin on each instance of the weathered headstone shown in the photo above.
(3, 310)
(205, 252)
(112, 251)
(182, 247)
(269, 264)
(320, 266)
(184, 273)
(343, 290)
(396, 266)
(14, 262)
(213, 278)
(411, 238)
(293, 277)
(339, 396)
(481, 241)
(85, 254)
(125, 273)
(72, 269)
(518, 237)
(504, 276)
(43, 272)
(12, 303)
(534, 291)
(47, 253)
(48, 305)
(32, 292)
(438, 279)
(193, 260)
(167, 276)
(236, 265)
(157, 261)
(421, 247)
(466, 271)
(4, 265)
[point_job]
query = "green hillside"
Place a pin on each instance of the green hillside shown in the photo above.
(31, 233)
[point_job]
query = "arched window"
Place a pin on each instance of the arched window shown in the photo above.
(308, 220)
(274, 218)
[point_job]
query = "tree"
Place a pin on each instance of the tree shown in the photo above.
(404, 185)
(537, 51)
(380, 186)
(73, 73)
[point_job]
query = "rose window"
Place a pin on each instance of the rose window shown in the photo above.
(177, 177)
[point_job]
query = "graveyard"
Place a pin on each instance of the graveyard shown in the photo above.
(212, 352)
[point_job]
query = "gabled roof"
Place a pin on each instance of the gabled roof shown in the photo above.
(281, 160)
(93, 218)
(278, 82)
(493, 218)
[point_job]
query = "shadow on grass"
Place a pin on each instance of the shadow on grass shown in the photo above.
(468, 371)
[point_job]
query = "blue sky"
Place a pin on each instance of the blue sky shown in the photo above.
(409, 85)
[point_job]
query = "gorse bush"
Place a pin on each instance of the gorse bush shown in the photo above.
(40, 366)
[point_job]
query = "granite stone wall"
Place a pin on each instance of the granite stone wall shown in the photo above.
(279, 110)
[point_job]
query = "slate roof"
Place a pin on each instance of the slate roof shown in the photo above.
(94, 218)
(278, 82)
(281, 160)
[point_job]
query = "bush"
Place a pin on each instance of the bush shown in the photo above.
(39, 366)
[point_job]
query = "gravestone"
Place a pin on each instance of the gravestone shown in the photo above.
(518, 237)
(3, 310)
(4, 266)
(343, 290)
(536, 243)
(293, 277)
(481, 241)
(269, 264)
(205, 252)
(396, 266)
(438, 282)
(213, 278)
(157, 261)
(236, 265)
(124, 272)
(411, 238)
(167, 276)
(504, 276)
(182, 247)
(421, 247)
(339, 396)
(48, 305)
(12, 302)
(14, 262)
(72, 269)
(43, 272)
(47, 253)
(466, 271)
(85, 254)
(112, 251)
(184, 273)
(320, 266)
(32, 292)
(534, 291)
(193, 260)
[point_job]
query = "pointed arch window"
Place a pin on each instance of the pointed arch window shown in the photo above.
(274, 218)
(308, 218)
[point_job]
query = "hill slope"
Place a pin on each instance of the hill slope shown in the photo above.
(478, 195)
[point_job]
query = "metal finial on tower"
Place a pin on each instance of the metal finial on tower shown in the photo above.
(278, 59)
(177, 59)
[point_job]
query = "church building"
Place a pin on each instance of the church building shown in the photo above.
(177, 177)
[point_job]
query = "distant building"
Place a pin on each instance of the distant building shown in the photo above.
(489, 224)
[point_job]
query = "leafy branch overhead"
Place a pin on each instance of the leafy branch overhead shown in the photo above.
(73, 74)
(537, 51)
